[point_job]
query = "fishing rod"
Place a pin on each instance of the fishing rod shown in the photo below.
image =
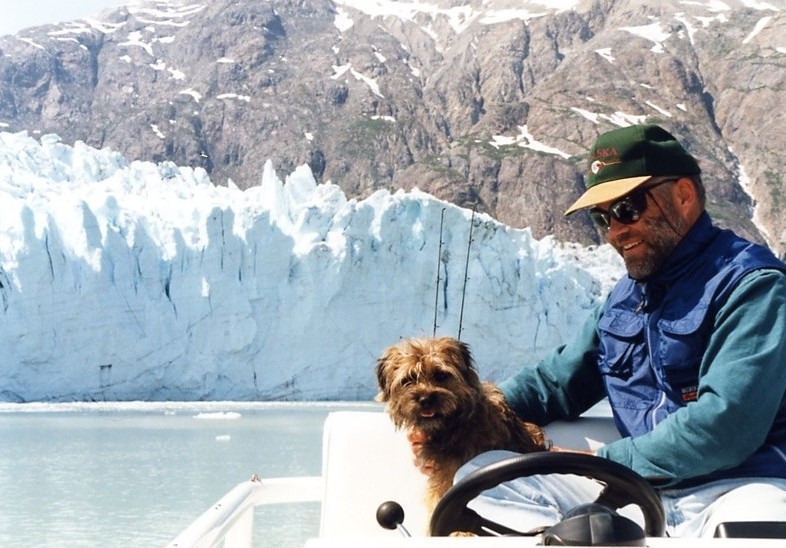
(466, 270)
(439, 260)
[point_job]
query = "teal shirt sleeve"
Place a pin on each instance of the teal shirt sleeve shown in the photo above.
(562, 385)
(742, 380)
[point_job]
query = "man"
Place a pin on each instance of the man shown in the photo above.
(690, 348)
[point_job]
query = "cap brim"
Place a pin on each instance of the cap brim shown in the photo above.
(607, 192)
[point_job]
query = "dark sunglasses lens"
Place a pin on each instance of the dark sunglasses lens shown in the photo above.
(626, 211)
(600, 218)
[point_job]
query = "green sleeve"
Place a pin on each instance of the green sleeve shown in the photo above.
(742, 379)
(564, 384)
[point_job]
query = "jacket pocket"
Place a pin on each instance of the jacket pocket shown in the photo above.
(621, 343)
(680, 351)
(682, 342)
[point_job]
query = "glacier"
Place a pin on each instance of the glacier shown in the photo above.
(127, 280)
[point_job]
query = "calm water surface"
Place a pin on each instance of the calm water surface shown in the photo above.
(128, 475)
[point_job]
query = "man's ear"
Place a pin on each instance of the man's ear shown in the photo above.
(686, 197)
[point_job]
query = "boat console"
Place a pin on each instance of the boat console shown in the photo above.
(367, 469)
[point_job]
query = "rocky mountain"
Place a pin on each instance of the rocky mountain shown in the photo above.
(487, 103)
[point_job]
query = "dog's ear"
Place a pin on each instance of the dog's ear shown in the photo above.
(384, 363)
(468, 370)
(466, 355)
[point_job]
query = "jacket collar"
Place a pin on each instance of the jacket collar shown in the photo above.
(684, 255)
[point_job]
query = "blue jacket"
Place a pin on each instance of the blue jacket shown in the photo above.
(693, 362)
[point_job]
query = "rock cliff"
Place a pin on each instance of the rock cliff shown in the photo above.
(487, 103)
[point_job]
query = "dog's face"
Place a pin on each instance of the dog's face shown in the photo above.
(427, 383)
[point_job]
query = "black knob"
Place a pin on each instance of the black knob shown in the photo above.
(390, 515)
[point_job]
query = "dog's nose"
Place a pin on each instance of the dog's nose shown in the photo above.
(426, 399)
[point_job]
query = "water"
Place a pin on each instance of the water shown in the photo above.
(128, 475)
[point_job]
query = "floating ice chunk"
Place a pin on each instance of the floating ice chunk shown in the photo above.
(219, 415)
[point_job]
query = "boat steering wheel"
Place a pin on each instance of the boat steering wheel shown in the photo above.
(622, 486)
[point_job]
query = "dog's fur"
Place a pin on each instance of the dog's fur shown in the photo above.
(431, 385)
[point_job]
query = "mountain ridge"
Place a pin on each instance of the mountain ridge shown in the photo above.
(488, 104)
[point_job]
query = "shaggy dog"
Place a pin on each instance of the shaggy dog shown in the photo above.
(431, 385)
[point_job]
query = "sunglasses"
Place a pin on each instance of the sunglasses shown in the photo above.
(627, 211)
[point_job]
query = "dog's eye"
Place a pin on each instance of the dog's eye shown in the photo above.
(409, 380)
(440, 376)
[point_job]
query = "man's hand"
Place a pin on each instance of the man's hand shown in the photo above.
(417, 439)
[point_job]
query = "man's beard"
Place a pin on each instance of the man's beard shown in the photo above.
(664, 233)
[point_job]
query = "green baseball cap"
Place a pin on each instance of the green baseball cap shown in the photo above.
(623, 159)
